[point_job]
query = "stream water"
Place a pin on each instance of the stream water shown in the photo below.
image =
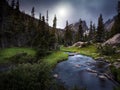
(83, 72)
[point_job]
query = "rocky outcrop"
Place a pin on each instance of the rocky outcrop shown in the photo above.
(117, 65)
(114, 41)
(75, 26)
(80, 44)
(109, 24)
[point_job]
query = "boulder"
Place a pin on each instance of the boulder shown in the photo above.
(114, 41)
(102, 77)
(116, 64)
(77, 65)
(117, 51)
(118, 60)
(80, 44)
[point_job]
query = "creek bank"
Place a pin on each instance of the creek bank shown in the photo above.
(81, 71)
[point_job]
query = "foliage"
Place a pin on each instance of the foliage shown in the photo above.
(33, 12)
(67, 35)
(116, 73)
(9, 53)
(21, 30)
(117, 88)
(116, 26)
(92, 33)
(27, 77)
(22, 58)
(58, 87)
(106, 50)
(53, 35)
(100, 30)
(79, 35)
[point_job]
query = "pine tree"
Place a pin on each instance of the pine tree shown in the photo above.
(91, 31)
(68, 35)
(100, 30)
(33, 12)
(17, 5)
(45, 34)
(39, 22)
(13, 4)
(94, 29)
(53, 35)
(40, 40)
(79, 35)
(47, 17)
(116, 26)
(119, 7)
(40, 17)
(54, 24)
(94, 32)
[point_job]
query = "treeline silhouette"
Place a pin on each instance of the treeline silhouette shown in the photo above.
(18, 29)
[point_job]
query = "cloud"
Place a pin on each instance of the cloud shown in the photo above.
(85, 9)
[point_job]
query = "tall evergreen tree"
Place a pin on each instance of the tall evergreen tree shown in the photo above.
(40, 40)
(100, 30)
(116, 26)
(79, 35)
(94, 32)
(91, 31)
(33, 12)
(68, 35)
(53, 35)
(40, 17)
(13, 4)
(54, 24)
(45, 35)
(47, 16)
(17, 5)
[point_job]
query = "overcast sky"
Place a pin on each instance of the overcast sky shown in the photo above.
(71, 10)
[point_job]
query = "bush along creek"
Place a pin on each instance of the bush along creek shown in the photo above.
(28, 69)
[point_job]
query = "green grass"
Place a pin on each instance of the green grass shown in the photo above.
(10, 52)
(90, 50)
(55, 58)
(52, 59)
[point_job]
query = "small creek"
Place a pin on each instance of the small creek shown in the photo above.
(83, 72)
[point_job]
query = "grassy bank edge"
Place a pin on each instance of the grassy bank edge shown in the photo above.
(89, 50)
(54, 58)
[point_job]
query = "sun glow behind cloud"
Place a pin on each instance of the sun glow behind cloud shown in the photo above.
(63, 12)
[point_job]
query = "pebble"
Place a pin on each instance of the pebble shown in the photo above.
(55, 75)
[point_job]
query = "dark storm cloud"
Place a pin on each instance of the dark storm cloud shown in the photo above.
(39, 2)
(85, 9)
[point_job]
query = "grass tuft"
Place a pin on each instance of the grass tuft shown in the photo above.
(55, 58)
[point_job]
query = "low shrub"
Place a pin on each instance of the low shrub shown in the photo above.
(117, 88)
(41, 53)
(27, 77)
(116, 73)
(106, 50)
(22, 58)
